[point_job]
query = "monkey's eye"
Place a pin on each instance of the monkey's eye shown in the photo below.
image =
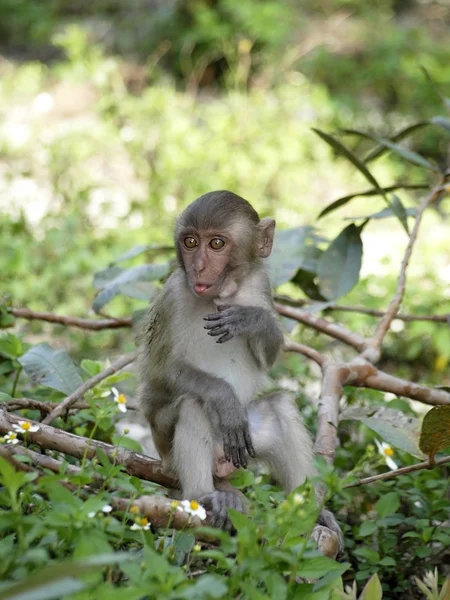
(217, 244)
(190, 242)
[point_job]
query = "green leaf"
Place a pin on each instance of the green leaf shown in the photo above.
(205, 586)
(400, 135)
(317, 567)
(140, 290)
(293, 249)
(10, 346)
(340, 148)
(382, 214)
(51, 368)
(367, 528)
(5, 397)
(441, 122)
(388, 504)
(373, 192)
(372, 590)
(399, 211)
(340, 264)
(305, 280)
(435, 433)
(92, 367)
(396, 428)
(151, 272)
(408, 155)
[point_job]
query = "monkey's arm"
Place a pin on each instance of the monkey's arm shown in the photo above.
(259, 324)
(221, 405)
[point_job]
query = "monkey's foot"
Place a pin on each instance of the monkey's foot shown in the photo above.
(217, 504)
(327, 541)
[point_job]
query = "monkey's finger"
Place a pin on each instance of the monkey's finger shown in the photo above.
(223, 307)
(226, 447)
(241, 450)
(218, 330)
(213, 317)
(235, 459)
(249, 443)
(214, 324)
(225, 338)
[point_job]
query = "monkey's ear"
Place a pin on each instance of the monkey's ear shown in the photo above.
(266, 232)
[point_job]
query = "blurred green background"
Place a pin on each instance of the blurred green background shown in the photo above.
(115, 115)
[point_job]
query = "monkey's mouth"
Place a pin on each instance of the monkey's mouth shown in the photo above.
(201, 288)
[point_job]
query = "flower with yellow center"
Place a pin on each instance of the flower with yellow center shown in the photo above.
(120, 399)
(141, 524)
(25, 427)
(11, 438)
(192, 507)
(134, 510)
(387, 452)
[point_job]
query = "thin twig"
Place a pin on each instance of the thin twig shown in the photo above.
(24, 403)
(371, 312)
(372, 350)
(401, 471)
(356, 341)
(93, 325)
(119, 364)
(290, 346)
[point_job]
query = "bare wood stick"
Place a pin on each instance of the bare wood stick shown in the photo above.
(328, 411)
(22, 403)
(371, 312)
(401, 471)
(291, 346)
(93, 325)
(46, 462)
(119, 364)
(372, 350)
(324, 326)
(52, 438)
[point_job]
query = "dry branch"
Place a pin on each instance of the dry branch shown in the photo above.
(371, 312)
(63, 406)
(52, 438)
(24, 403)
(372, 351)
(354, 340)
(291, 346)
(93, 325)
(401, 471)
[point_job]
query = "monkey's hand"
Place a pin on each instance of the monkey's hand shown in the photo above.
(236, 436)
(231, 321)
(217, 504)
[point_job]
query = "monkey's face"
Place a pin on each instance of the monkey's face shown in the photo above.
(205, 258)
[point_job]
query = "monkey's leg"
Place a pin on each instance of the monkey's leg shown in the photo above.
(194, 459)
(280, 438)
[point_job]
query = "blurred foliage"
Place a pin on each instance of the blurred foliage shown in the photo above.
(134, 110)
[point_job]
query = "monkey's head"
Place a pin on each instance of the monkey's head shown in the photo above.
(219, 237)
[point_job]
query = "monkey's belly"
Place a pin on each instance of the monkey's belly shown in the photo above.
(233, 362)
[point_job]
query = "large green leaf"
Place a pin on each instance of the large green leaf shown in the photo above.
(397, 137)
(373, 590)
(340, 148)
(435, 433)
(396, 428)
(151, 272)
(52, 368)
(412, 157)
(293, 249)
(399, 211)
(373, 192)
(340, 264)
(59, 580)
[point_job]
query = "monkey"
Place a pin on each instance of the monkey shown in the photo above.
(210, 338)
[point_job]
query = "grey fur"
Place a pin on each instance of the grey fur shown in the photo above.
(198, 394)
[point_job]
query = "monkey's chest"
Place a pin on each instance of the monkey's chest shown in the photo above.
(231, 361)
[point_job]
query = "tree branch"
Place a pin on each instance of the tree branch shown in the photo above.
(52, 438)
(401, 471)
(328, 410)
(23, 403)
(60, 408)
(356, 341)
(93, 325)
(291, 346)
(372, 350)
(364, 311)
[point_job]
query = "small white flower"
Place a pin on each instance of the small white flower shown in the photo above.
(193, 508)
(25, 427)
(91, 514)
(107, 508)
(120, 399)
(141, 524)
(11, 438)
(387, 452)
(298, 499)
